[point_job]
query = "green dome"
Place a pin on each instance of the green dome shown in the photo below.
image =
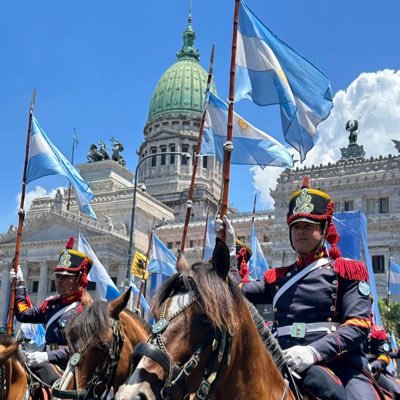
(181, 88)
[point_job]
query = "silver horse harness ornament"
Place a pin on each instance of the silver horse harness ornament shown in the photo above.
(155, 349)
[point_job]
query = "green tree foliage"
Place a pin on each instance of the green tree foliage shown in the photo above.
(394, 322)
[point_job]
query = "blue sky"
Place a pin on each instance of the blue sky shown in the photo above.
(95, 65)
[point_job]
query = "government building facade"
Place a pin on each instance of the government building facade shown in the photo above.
(355, 182)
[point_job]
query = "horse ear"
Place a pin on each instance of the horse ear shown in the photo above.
(8, 352)
(221, 258)
(117, 305)
(181, 262)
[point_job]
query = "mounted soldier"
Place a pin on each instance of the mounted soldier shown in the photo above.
(71, 281)
(321, 302)
(377, 350)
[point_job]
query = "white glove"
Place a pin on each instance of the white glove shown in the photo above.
(19, 276)
(225, 226)
(36, 358)
(299, 358)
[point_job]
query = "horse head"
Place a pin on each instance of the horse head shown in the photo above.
(205, 341)
(101, 340)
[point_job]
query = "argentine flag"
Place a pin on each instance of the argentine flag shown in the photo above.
(136, 291)
(394, 277)
(269, 72)
(105, 285)
(45, 159)
(210, 240)
(258, 264)
(162, 261)
(251, 145)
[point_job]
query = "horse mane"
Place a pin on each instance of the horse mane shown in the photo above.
(205, 281)
(271, 344)
(92, 325)
(7, 341)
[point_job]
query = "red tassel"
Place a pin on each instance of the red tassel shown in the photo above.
(244, 270)
(332, 237)
(351, 269)
(70, 243)
(378, 332)
(273, 274)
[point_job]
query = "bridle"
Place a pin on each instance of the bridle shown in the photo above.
(176, 376)
(101, 382)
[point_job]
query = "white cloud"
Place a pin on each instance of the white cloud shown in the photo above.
(37, 192)
(374, 100)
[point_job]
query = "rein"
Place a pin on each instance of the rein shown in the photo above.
(100, 384)
(155, 349)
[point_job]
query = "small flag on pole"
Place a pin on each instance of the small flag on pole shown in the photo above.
(105, 285)
(75, 139)
(394, 277)
(251, 145)
(258, 264)
(162, 261)
(138, 266)
(269, 72)
(210, 240)
(45, 159)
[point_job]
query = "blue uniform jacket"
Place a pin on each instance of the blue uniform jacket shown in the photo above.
(335, 292)
(43, 314)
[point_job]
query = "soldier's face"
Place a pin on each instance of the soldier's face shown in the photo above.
(305, 236)
(65, 283)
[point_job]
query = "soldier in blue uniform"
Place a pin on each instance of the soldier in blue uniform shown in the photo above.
(321, 302)
(71, 282)
(377, 350)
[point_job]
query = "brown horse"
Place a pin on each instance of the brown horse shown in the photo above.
(101, 340)
(206, 343)
(13, 378)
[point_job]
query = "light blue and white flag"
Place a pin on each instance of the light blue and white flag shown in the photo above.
(162, 261)
(258, 264)
(106, 287)
(210, 240)
(136, 291)
(394, 278)
(45, 159)
(269, 72)
(251, 145)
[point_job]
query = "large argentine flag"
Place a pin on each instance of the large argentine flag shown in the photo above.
(258, 264)
(105, 285)
(45, 159)
(162, 261)
(251, 145)
(268, 72)
(394, 278)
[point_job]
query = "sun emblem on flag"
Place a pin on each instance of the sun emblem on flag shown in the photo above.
(243, 124)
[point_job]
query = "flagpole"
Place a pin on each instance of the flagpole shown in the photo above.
(228, 147)
(254, 209)
(388, 300)
(21, 216)
(143, 281)
(205, 233)
(72, 163)
(189, 203)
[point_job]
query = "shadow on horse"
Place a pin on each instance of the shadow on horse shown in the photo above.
(101, 339)
(206, 342)
(13, 378)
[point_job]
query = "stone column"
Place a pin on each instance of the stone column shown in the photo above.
(4, 292)
(42, 292)
(121, 277)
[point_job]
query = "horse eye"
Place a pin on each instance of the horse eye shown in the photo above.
(204, 320)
